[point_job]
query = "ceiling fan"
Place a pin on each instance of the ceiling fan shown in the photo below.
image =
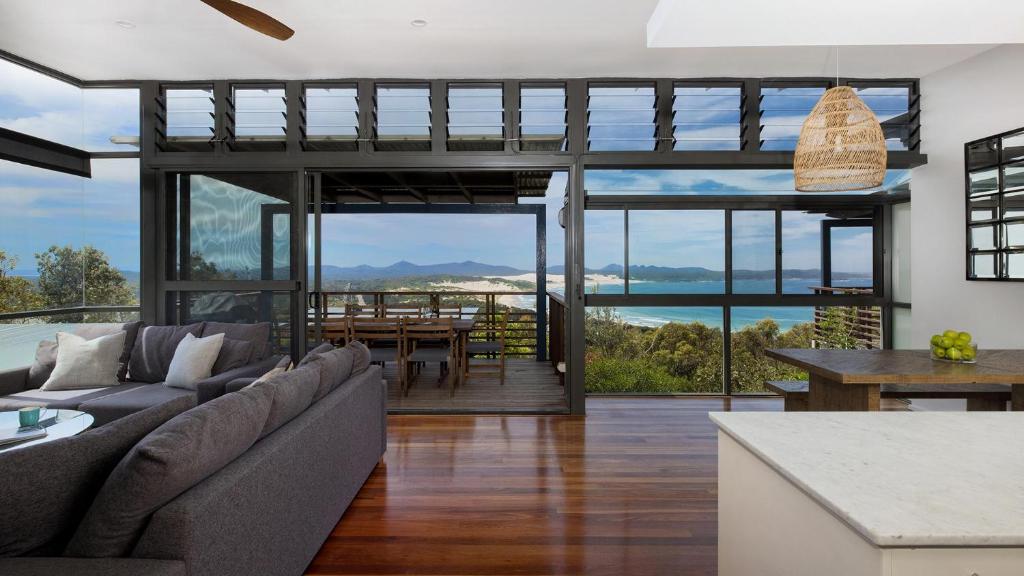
(252, 18)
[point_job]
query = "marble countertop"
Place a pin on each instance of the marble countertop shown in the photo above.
(900, 479)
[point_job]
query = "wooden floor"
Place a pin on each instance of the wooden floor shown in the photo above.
(529, 386)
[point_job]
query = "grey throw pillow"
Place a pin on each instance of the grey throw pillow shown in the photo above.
(233, 354)
(327, 367)
(154, 348)
(325, 347)
(258, 334)
(173, 458)
(46, 352)
(360, 356)
(293, 392)
(47, 488)
(193, 361)
(85, 363)
(344, 361)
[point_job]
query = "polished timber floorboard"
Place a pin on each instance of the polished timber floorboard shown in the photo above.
(630, 489)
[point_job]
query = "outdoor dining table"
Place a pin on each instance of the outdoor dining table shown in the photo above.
(851, 379)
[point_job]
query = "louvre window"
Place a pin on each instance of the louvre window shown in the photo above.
(621, 118)
(476, 117)
(258, 118)
(185, 119)
(783, 111)
(330, 118)
(542, 118)
(402, 117)
(892, 107)
(706, 118)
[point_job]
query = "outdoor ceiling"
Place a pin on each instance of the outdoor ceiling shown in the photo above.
(185, 39)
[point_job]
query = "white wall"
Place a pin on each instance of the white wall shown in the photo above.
(976, 98)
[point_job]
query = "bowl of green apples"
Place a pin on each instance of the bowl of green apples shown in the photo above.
(954, 346)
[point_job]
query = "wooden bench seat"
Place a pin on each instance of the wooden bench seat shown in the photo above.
(980, 397)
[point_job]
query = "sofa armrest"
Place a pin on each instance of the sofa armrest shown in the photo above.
(91, 567)
(13, 380)
(213, 386)
(239, 383)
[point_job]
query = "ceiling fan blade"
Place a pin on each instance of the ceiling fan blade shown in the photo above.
(252, 18)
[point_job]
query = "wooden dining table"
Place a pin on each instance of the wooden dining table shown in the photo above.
(851, 380)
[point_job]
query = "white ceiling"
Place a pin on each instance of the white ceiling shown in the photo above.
(703, 24)
(185, 39)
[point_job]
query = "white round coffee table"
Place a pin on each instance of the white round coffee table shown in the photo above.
(69, 423)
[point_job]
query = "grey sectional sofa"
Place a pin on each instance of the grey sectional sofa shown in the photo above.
(265, 510)
(143, 361)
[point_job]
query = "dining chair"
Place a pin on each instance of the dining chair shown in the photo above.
(449, 311)
(383, 336)
(334, 329)
(487, 339)
(405, 310)
(440, 333)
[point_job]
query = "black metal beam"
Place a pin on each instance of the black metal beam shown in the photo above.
(32, 151)
(732, 300)
(720, 202)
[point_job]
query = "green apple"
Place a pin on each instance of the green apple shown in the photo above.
(968, 354)
(964, 336)
(936, 340)
(939, 352)
(951, 334)
(954, 354)
(946, 342)
(960, 344)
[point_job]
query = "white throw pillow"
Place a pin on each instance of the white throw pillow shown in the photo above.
(85, 363)
(193, 360)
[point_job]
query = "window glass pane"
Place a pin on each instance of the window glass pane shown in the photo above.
(984, 182)
(38, 105)
(476, 117)
(1013, 147)
(1014, 265)
(901, 253)
(902, 338)
(332, 113)
(677, 251)
(653, 350)
(755, 329)
(111, 119)
(190, 114)
(891, 105)
(801, 252)
(111, 212)
(983, 237)
(1013, 177)
(235, 231)
(621, 118)
(542, 118)
(1013, 205)
(984, 208)
(709, 182)
(605, 242)
(753, 252)
(403, 117)
(706, 118)
(983, 265)
(852, 248)
(260, 112)
(783, 111)
(1013, 235)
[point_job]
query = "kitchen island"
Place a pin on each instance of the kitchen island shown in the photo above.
(858, 493)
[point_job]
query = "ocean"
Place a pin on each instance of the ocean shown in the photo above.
(785, 316)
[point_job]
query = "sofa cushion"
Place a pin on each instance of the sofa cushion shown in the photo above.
(193, 360)
(63, 399)
(47, 488)
(132, 399)
(170, 460)
(325, 347)
(92, 567)
(154, 348)
(46, 352)
(233, 353)
(258, 334)
(360, 356)
(293, 392)
(85, 363)
(327, 367)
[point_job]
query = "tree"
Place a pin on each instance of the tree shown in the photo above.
(17, 294)
(69, 277)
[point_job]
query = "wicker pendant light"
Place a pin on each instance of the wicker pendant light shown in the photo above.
(841, 145)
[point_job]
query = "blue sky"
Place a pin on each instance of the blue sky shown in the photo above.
(43, 208)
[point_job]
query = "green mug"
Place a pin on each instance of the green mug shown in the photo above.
(29, 416)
